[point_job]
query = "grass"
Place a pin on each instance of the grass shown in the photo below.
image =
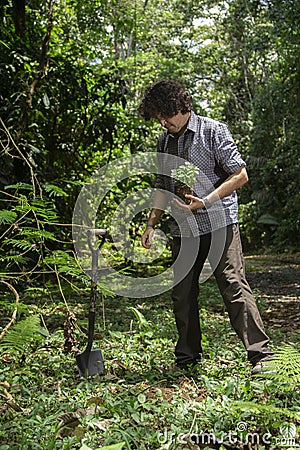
(138, 404)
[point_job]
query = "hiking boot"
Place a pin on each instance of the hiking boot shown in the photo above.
(263, 367)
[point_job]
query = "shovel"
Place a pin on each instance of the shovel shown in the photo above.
(90, 362)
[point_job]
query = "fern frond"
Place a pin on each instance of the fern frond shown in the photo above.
(14, 258)
(65, 263)
(270, 410)
(7, 216)
(44, 210)
(284, 367)
(20, 185)
(36, 235)
(54, 191)
(20, 244)
(21, 335)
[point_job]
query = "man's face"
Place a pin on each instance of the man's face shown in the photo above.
(176, 124)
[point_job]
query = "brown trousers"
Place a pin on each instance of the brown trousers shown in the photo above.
(229, 271)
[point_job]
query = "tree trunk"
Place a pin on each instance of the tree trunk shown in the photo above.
(19, 17)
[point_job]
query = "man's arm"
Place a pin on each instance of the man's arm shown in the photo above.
(159, 204)
(233, 182)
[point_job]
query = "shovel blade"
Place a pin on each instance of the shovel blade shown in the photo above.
(90, 363)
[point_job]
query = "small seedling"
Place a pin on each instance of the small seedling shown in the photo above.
(185, 177)
(186, 173)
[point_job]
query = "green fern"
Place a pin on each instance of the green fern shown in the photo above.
(29, 238)
(284, 367)
(36, 235)
(7, 216)
(15, 259)
(44, 210)
(22, 335)
(65, 263)
(267, 410)
(283, 370)
(20, 185)
(23, 245)
(54, 191)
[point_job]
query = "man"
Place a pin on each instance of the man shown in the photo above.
(209, 145)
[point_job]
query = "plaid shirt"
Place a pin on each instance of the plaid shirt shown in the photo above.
(209, 145)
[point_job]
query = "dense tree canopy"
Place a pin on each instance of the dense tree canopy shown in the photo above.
(73, 72)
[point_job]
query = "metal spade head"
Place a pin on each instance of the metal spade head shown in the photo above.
(90, 363)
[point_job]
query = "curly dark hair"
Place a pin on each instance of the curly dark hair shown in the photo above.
(165, 97)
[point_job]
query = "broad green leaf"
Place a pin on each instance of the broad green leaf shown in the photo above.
(140, 318)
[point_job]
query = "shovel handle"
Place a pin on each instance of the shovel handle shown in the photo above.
(97, 231)
(101, 232)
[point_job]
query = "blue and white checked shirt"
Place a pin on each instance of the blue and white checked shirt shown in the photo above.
(209, 145)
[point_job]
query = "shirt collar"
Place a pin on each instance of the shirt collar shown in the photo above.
(192, 125)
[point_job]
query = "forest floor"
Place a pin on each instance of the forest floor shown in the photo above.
(277, 280)
(139, 404)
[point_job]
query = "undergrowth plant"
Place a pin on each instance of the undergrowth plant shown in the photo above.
(139, 404)
(22, 335)
(185, 173)
(284, 368)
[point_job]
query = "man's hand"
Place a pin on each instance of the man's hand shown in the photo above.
(233, 182)
(195, 203)
(147, 238)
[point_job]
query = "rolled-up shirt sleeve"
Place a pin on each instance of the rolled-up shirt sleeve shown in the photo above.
(226, 151)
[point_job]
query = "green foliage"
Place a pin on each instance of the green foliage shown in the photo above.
(25, 241)
(21, 335)
(142, 322)
(111, 447)
(284, 368)
(54, 191)
(139, 403)
(268, 410)
(7, 216)
(71, 77)
(186, 173)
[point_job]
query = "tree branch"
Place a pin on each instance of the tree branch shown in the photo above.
(14, 314)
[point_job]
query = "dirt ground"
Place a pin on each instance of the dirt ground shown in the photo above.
(276, 280)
